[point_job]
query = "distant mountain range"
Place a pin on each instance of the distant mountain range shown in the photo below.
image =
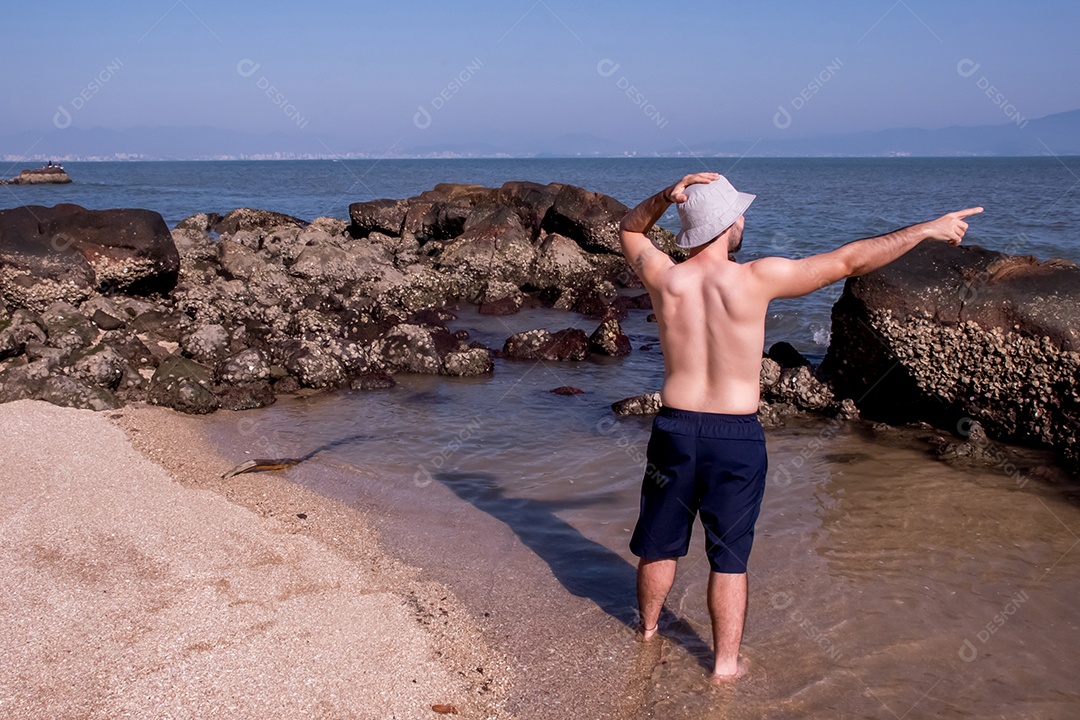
(1057, 134)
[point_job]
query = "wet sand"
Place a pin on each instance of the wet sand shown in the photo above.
(137, 583)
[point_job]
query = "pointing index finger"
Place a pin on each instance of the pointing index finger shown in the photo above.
(969, 211)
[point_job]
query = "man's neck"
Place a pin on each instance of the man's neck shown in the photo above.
(712, 251)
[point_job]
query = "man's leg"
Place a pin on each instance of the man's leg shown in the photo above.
(654, 580)
(727, 608)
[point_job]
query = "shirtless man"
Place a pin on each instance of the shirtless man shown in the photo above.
(706, 455)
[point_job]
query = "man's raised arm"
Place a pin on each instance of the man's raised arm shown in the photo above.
(783, 278)
(638, 249)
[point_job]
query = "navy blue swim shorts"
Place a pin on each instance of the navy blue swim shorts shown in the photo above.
(705, 464)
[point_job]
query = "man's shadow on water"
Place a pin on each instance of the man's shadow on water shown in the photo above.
(585, 568)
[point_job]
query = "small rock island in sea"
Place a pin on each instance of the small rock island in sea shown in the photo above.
(47, 175)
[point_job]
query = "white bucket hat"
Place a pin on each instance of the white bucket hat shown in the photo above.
(709, 210)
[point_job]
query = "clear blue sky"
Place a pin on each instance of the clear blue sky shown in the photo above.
(702, 70)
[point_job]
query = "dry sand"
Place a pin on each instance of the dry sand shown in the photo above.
(134, 582)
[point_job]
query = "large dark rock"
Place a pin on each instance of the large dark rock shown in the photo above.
(501, 298)
(531, 201)
(569, 344)
(183, 385)
(463, 194)
(384, 216)
(254, 220)
(560, 263)
(16, 331)
(37, 270)
(206, 344)
(131, 251)
(591, 219)
(246, 396)
(246, 366)
(71, 392)
(946, 334)
(25, 381)
(313, 366)
(609, 339)
(101, 366)
(497, 249)
(67, 252)
(647, 404)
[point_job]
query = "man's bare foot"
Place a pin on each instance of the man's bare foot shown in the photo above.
(719, 675)
(649, 633)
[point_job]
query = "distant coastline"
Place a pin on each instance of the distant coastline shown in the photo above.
(336, 158)
(1052, 135)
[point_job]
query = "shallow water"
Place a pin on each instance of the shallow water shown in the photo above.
(883, 582)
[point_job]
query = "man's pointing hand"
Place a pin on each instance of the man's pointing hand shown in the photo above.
(950, 227)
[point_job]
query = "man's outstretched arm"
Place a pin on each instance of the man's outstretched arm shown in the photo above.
(638, 249)
(783, 278)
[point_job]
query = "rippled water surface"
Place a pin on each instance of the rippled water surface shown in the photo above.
(883, 582)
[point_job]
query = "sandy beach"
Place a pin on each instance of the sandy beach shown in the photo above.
(137, 583)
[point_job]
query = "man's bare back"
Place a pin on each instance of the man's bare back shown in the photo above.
(712, 330)
(711, 315)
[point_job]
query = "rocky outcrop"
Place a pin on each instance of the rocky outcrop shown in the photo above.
(555, 238)
(105, 307)
(646, 404)
(609, 339)
(569, 344)
(69, 253)
(946, 334)
(50, 175)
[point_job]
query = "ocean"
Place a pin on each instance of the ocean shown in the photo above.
(883, 581)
